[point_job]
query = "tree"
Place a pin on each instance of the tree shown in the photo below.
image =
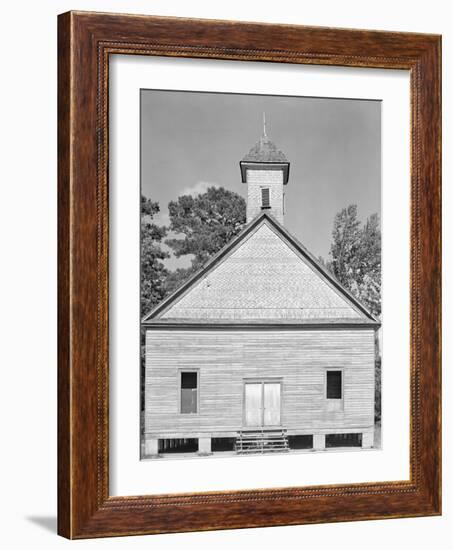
(344, 250)
(355, 256)
(153, 271)
(177, 277)
(207, 222)
(368, 286)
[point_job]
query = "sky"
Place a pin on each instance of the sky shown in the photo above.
(192, 140)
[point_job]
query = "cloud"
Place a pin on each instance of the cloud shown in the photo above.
(199, 188)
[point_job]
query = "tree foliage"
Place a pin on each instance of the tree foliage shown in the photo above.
(368, 289)
(207, 222)
(153, 270)
(345, 246)
(355, 256)
(177, 277)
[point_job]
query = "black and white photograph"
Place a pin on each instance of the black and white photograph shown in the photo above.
(230, 228)
(234, 233)
(260, 274)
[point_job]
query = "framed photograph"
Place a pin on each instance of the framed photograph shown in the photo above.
(249, 275)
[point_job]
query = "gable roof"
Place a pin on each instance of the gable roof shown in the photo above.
(263, 275)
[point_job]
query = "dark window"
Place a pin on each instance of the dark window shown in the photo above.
(334, 384)
(265, 199)
(189, 391)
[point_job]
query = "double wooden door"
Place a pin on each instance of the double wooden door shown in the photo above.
(262, 403)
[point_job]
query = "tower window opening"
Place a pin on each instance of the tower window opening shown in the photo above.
(265, 198)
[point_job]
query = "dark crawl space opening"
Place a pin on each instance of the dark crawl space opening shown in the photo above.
(300, 442)
(222, 444)
(343, 440)
(178, 445)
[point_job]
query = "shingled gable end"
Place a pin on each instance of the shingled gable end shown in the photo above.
(264, 274)
(241, 356)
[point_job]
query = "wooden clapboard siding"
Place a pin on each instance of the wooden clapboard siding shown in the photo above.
(225, 357)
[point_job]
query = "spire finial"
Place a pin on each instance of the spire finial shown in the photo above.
(264, 124)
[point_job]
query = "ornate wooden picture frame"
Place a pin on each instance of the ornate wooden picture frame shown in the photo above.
(85, 507)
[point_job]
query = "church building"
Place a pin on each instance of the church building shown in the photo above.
(262, 350)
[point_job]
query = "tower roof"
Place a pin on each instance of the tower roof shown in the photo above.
(264, 155)
(265, 150)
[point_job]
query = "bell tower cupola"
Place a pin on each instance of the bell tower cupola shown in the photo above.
(265, 170)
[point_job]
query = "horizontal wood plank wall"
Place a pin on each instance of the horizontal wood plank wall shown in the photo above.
(224, 358)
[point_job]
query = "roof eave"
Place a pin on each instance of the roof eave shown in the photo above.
(263, 165)
(261, 323)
